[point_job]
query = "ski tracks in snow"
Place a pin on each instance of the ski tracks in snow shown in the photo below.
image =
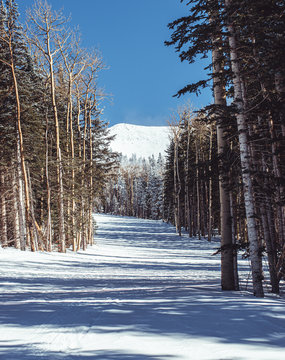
(142, 293)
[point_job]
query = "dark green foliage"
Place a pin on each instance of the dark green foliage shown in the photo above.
(258, 30)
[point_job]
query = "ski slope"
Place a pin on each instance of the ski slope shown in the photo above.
(142, 293)
(139, 140)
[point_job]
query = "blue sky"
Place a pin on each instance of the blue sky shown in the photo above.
(143, 74)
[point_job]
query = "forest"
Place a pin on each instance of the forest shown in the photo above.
(223, 173)
(224, 169)
(55, 152)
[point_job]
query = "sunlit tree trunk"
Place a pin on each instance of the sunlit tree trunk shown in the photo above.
(28, 219)
(46, 26)
(255, 253)
(58, 149)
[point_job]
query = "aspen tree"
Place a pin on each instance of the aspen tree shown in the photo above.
(254, 247)
(74, 64)
(176, 131)
(187, 182)
(43, 27)
(9, 35)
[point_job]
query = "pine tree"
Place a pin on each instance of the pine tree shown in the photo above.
(242, 37)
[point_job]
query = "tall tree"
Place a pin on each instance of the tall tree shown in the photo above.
(44, 26)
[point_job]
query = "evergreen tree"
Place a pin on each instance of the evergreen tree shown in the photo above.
(242, 37)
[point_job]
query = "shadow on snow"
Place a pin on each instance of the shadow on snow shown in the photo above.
(139, 304)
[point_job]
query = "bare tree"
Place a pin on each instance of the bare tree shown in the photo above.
(7, 36)
(73, 57)
(176, 130)
(44, 26)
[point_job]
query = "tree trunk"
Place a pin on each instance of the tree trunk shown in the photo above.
(48, 240)
(22, 221)
(187, 192)
(198, 191)
(176, 187)
(210, 197)
(255, 253)
(227, 261)
(17, 236)
(29, 225)
(58, 150)
(90, 218)
(4, 227)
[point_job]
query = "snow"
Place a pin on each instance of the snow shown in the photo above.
(143, 141)
(142, 293)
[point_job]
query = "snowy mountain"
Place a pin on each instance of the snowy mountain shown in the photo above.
(143, 141)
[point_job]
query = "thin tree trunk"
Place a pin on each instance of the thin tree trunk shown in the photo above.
(4, 227)
(198, 191)
(49, 221)
(210, 197)
(90, 219)
(234, 242)
(187, 205)
(227, 261)
(22, 221)
(270, 253)
(176, 187)
(37, 236)
(73, 235)
(58, 150)
(255, 253)
(29, 225)
(17, 236)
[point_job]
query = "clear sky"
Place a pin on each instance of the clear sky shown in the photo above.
(143, 74)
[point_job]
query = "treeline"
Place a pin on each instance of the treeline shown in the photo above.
(241, 134)
(191, 194)
(54, 154)
(136, 189)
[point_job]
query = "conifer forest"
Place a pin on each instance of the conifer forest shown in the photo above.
(223, 174)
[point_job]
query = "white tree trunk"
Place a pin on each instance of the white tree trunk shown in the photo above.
(58, 150)
(21, 202)
(255, 254)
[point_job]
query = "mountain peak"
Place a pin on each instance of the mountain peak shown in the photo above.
(143, 141)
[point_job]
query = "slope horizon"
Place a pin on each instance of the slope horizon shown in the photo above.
(143, 141)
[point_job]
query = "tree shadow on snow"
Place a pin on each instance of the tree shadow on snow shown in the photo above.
(133, 302)
(15, 353)
(193, 308)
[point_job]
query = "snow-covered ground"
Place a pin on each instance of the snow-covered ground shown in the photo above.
(143, 141)
(142, 293)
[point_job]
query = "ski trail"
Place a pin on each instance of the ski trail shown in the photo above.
(142, 293)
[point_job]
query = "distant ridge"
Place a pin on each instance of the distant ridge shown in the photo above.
(143, 141)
